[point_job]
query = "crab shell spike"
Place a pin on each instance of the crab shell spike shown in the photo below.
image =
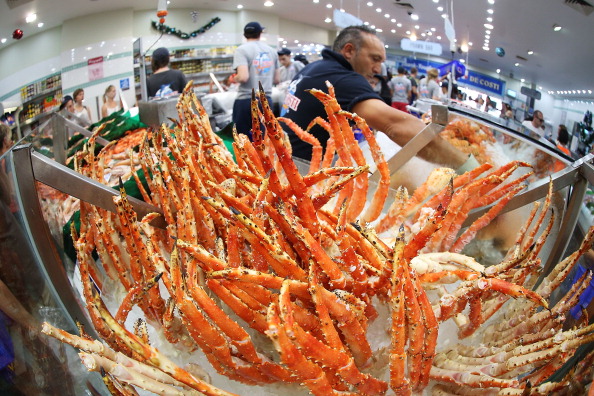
(121, 184)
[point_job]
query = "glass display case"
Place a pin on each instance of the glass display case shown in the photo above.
(40, 195)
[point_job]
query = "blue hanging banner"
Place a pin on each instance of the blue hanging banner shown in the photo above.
(484, 82)
(459, 69)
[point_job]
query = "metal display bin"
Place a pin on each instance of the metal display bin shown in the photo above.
(36, 271)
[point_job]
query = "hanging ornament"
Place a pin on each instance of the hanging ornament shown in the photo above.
(17, 34)
(170, 30)
(194, 16)
(162, 10)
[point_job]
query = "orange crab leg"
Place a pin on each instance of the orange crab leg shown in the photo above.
(316, 154)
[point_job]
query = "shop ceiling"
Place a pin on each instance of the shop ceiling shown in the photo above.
(558, 60)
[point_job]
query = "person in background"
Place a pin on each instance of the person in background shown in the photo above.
(67, 103)
(255, 62)
(356, 56)
(110, 106)
(506, 112)
(301, 58)
(81, 111)
(164, 81)
(288, 68)
(535, 125)
(414, 85)
(562, 143)
(429, 87)
(401, 88)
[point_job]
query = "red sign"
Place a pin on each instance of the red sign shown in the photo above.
(95, 67)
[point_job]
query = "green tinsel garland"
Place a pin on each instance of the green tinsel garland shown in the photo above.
(183, 35)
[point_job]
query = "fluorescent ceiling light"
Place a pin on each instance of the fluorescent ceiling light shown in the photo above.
(40, 25)
(414, 17)
(240, 6)
(488, 26)
(31, 18)
(268, 4)
(530, 52)
(327, 20)
(556, 27)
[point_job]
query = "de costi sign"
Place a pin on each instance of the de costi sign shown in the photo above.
(423, 47)
(484, 82)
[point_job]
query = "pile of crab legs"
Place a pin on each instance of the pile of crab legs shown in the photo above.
(296, 259)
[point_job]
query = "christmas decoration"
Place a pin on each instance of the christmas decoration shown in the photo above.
(162, 11)
(17, 34)
(171, 30)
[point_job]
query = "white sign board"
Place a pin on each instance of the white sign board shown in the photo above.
(424, 47)
(344, 19)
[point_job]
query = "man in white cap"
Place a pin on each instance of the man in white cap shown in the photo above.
(255, 63)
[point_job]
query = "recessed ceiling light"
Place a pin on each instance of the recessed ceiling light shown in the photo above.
(393, 20)
(487, 36)
(423, 34)
(522, 80)
(573, 91)
(31, 18)
(433, 29)
(328, 20)
(296, 41)
(462, 61)
(470, 43)
(387, 15)
(486, 48)
(539, 87)
(516, 64)
(491, 1)
(439, 37)
(486, 41)
(498, 71)
(372, 26)
(407, 32)
(316, 1)
(530, 52)
(40, 25)
(444, 16)
(328, 5)
(268, 4)
(366, 23)
(284, 41)
(429, 34)
(386, 46)
(464, 47)
(240, 6)
(489, 11)
(417, 27)
(589, 91)
(556, 27)
(399, 24)
(370, 4)
(3, 40)
(378, 9)
(488, 26)
(413, 37)
(440, 8)
(414, 17)
(379, 30)
(393, 30)
(489, 19)
(487, 32)
(436, 1)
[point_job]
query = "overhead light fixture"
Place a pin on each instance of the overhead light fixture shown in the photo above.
(488, 26)
(398, 24)
(539, 87)
(370, 4)
(414, 17)
(423, 34)
(372, 26)
(444, 16)
(589, 91)
(522, 80)
(464, 47)
(530, 52)
(556, 27)
(436, 1)
(413, 37)
(31, 18)
(328, 20)
(407, 32)
(3, 40)
(393, 20)
(393, 30)
(417, 27)
(433, 29)
(439, 37)
(487, 32)
(489, 19)
(386, 46)
(440, 8)
(40, 25)
(378, 9)
(240, 6)
(470, 43)
(491, 1)
(516, 64)
(429, 34)
(328, 5)
(498, 71)
(268, 4)
(387, 15)
(486, 48)
(489, 11)
(366, 23)
(462, 61)
(379, 30)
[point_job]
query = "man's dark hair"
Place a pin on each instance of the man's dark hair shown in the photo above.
(563, 137)
(353, 35)
(160, 58)
(252, 35)
(401, 70)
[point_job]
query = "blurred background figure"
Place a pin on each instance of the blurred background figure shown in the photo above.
(289, 68)
(110, 105)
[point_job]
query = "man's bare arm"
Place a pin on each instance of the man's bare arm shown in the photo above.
(243, 74)
(402, 127)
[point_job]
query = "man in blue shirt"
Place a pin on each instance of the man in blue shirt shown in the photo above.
(356, 56)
